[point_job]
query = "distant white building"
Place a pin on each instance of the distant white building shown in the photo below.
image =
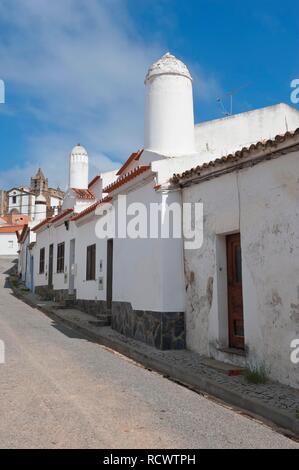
(9, 244)
(21, 201)
(235, 297)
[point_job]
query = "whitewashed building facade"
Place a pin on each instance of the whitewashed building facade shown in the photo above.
(151, 288)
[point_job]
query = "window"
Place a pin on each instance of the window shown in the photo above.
(14, 199)
(91, 263)
(10, 243)
(60, 258)
(42, 261)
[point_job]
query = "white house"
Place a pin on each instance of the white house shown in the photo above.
(242, 297)
(9, 244)
(150, 287)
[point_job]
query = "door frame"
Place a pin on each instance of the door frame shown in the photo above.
(234, 289)
(109, 283)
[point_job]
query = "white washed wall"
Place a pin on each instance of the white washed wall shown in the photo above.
(8, 244)
(149, 272)
(85, 236)
(269, 224)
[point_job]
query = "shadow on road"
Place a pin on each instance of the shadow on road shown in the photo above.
(67, 330)
(10, 272)
(13, 268)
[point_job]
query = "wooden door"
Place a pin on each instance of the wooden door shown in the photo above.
(50, 271)
(235, 297)
(109, 273)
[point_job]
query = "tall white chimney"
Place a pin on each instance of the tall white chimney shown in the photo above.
(169, 117)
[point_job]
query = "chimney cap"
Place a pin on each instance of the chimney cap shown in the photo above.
(168, 64)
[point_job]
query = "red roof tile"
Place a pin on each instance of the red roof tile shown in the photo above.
(22, 234)
(10, 228)
(261, 145)
(84, 193)
(41, 224)
(91, 208)
(51, 220)
(133, 157)
(125, 178)
(61, 215)
(94, 181)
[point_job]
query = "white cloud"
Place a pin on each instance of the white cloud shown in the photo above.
(80, 66)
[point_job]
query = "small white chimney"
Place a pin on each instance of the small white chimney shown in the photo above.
(40, 208)
(78, 168)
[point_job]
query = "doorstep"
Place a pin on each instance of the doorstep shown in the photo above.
(223, 367)
(276, 403)
(237, 352)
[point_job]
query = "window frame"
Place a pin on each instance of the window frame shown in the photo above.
(42, 260)
(60, 257)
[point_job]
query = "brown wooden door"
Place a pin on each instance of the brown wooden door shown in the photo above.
(109, 273)
(235, 297)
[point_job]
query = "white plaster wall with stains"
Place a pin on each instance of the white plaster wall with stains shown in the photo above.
(262, 202)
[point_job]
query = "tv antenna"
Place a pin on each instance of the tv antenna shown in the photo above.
(230, 95)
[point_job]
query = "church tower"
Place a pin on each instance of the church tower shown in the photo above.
(169, 118)
(39, 183)
(78, 177)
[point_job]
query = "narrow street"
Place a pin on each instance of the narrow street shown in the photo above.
(59, 390)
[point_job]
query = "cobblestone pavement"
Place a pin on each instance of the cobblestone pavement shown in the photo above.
(60, 390)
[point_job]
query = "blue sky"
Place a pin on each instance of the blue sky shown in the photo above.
(74, 71)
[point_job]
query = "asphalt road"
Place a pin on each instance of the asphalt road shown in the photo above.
(59, 390)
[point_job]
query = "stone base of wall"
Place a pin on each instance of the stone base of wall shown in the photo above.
(58, 295)
(93, 307)
(163, 330)
(44, 292)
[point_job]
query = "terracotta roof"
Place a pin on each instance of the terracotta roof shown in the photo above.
(84, 193)
(261, 145)
(10, 228)
(42, 223)
(15, 219)
(51, 220)
(133, 157)
(125, 178)
(61, 215)
(91, 208)
(94, 181)
(22, 234)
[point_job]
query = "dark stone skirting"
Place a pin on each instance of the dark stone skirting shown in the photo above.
(44, 292)
(163, 330)
(58, 295)
(93, 307)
